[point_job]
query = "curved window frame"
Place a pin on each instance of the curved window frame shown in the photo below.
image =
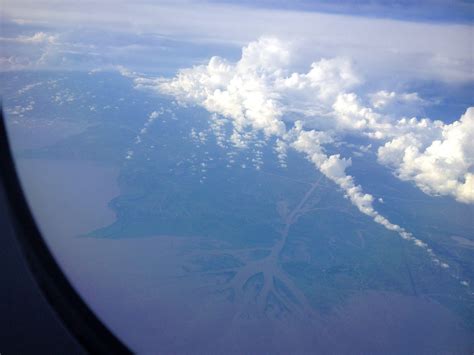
(90, 332)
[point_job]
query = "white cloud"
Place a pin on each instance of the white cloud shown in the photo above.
(199, 138)
(21, 110)
(334, 168)
(350, 114)
(217, 125)
(439, 158)
(259, 94)
(398, 104)
(238, 91)
(325, 80)
(383, 98)
(28, 87)
(281, 148)
(381, 47)
(30, 52)
(14, 62)
(154, 115)
(256, 92)
(36, 38)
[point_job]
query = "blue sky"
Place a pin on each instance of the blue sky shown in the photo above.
(457, 11)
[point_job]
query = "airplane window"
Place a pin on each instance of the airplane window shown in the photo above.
(252, 177)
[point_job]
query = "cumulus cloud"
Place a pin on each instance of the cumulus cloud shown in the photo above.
(259, 94)
(439, 158)
(281, 148)
(398, 104)
(383, 98)
(258, 90)
(334, 168)
(29, 51)
(36, 38)
(239, 91)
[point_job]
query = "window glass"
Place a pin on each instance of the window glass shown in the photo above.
(252, 177)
